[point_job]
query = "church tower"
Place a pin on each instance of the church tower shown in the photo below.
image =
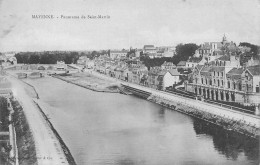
(224, 40)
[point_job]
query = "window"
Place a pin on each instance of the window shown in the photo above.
(222, 74)
(201, 80)
(228, 84)
(210, 82)
(206, 81)
(218, 82)
(234, 85)
(239, 86)
(222, 82)
(214, 81)
(247, 87)
(214, 73)
(257, 89)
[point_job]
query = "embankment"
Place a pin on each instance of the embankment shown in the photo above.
(24, 137)
(65, 149)
(227, 120)
(52, 149)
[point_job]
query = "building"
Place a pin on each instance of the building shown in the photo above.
(82, 60)
(116, 54)
(253, 61)
(168, 78)
(168, 66)
(193, 61)
(153, 77)
(138, 52)
(149, 49)
(181, 64)
(225, 80)
(251, 83)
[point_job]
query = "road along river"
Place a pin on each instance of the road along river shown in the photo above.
(107, 128)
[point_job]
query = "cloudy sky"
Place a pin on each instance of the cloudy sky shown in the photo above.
(132, 23)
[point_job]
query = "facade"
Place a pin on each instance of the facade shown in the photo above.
(168, 66)
(153, 77)
(193, 61)
(251, 83)
(168, 78)
(225, 80)
(149, 49)
(116, 54)
(82, 60)
(181, 64)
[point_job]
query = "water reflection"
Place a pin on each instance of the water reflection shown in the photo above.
(228, 143)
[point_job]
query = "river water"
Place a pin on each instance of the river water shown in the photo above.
(105, 128)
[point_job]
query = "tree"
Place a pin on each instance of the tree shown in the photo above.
(254, 49)
(34, 59)
(183, 52)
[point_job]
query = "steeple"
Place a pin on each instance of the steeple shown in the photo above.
(224, 39)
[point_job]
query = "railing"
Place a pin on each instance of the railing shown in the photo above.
(230, 107)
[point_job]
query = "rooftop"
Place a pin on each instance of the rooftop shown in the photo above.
(254, 70)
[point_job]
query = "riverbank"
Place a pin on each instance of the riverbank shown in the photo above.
(65, 149)
(90, 81)
(239, 126)
(49, 149)
(24, 137)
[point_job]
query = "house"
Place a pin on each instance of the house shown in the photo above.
(138, 52)
(116, 54)
(168, 66)
(251, 83)
(181, 64)
(149, 49)
(153, 77)
(82, 60)
(193, 61)
(253, 61)
(61, 65)
(168, 78)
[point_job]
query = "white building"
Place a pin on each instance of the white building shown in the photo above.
(168, 78)
(149, 49)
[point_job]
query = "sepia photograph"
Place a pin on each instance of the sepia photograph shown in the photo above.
(129, 82)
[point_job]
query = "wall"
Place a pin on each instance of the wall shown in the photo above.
(213, 109)
(169, 80)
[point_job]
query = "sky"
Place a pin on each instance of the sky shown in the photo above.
(132, 23)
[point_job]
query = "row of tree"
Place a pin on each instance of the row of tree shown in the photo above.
(4, 113)
(46, 57)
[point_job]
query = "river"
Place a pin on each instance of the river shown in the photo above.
(106, 128)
